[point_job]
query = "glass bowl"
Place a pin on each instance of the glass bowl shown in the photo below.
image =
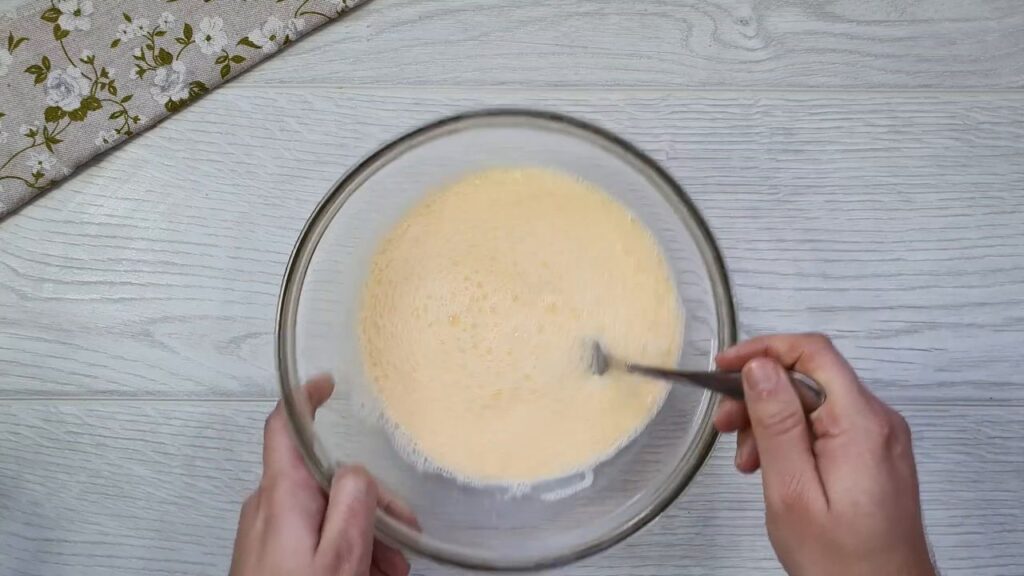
(494, 527)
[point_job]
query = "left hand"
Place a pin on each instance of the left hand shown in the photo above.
(289, 527)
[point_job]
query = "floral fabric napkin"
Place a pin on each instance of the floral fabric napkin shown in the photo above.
(79, 76)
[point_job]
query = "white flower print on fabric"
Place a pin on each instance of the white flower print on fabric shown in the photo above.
(86, 55)
(165, 21)
(169, 83)
(74, 14)
(107, 138)
(269, 36)
(40, 162)
(211, 37)
(140, 26)
(5, 61)
(59, 172)
(66, 88)
(295, 28)
(274, 34)
(125, 32)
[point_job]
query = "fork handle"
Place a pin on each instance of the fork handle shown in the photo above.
(730, 384)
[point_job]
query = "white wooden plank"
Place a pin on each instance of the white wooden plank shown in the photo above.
(128, 487)
(894, 222)
(664, 43)
(661, 43)
(124, 488)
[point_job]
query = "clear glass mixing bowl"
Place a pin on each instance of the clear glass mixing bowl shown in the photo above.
(493, 528)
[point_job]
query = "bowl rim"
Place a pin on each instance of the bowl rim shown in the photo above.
(398, 534)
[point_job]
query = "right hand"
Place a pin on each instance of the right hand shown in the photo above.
(841, 492)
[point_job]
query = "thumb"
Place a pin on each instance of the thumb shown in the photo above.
(788, 469)
(346, 538)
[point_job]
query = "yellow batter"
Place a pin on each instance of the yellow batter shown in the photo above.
(476, 316)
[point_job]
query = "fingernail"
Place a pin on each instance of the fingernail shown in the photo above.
(764, 375)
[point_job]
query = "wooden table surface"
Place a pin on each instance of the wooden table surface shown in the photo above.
(861, 163)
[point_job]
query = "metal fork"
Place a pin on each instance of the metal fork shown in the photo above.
(730, 384)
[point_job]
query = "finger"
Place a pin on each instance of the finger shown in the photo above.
(788, 469)
(747, 458)
(389, 561)
(396, 508)
(731, 416)
(812, 354)
(289, 493)
(346, 539)
(248, 520)
(281, 457)
(250, 511)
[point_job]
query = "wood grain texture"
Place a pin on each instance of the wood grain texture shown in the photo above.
(137, 487)
(893, 222)
(891, 217)
(665, 43)
(661, 43)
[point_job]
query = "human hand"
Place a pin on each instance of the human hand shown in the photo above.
(289, 527)
(841, 492)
